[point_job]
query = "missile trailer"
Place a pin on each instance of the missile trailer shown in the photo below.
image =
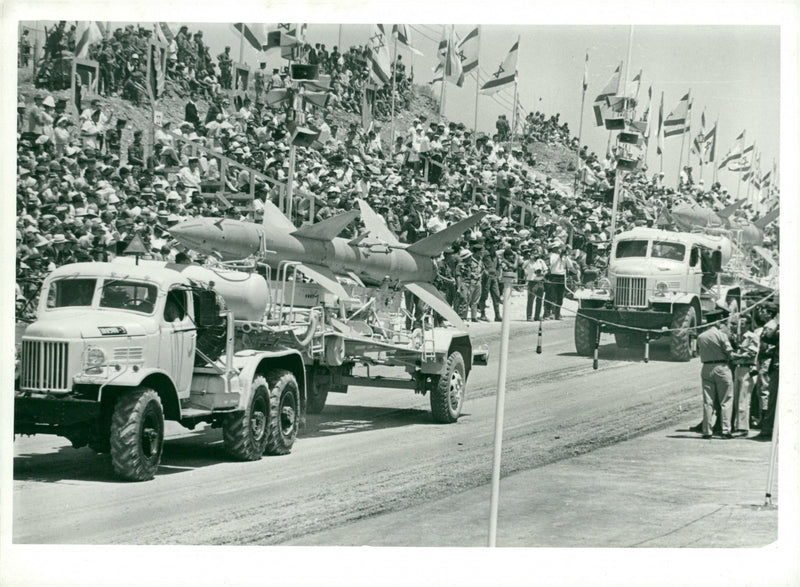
(118, 348)
(668, 283)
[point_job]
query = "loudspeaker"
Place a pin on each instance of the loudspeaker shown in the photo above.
(300, 71)
(615, 123)
(631, 138)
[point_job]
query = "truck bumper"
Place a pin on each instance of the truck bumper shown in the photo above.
(36, 414)
(637, 318)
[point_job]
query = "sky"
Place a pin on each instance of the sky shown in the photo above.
(733, 73)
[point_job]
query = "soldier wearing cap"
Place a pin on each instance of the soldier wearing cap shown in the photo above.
(715, 350)
(470, 273)
(225, 65)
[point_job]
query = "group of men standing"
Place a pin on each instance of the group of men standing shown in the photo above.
(733, 369)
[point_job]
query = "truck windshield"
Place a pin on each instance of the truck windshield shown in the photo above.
(631, 249)
(129, 295)
(71, 292)
(664, 250)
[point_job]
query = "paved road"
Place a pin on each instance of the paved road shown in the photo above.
(370, 452)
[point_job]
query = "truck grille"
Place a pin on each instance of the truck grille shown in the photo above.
(631, 292)
(44, 366)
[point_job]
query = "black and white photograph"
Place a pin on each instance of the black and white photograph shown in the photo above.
(496, 295)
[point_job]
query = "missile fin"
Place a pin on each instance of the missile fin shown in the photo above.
(324, 277)
(274, 220)
(725, 213)
(762, 223)
(327, 229)
(375, 224)
(433, 245)
(433, 297)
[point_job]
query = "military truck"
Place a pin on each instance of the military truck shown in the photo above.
(119, 347)
(666, 282)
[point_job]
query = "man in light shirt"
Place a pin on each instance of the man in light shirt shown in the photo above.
(556, 281)
(535, 269)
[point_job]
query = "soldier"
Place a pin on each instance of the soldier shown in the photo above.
(136, 153)
(714, 347)
(490, 279)
(260, 79)
(446, 277)
(114, 137)
(470, 274)
(225, 65)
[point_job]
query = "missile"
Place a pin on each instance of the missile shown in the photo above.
(690, 216)
(322, 255)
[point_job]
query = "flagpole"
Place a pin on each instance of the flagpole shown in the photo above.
(739, 181)
(477, 88)
(660, 134)
(750, 176)
(714, 163)
(688, 128)
(444, 74)
(241, 44)
(683, 141)
(340, 38)
(394, 85)
(580, 131)
(618, 171)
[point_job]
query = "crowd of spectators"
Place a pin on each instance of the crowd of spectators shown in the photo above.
(81, 198)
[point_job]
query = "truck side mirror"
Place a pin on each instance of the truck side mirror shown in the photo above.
(716, 261)
(205, 309)
(693, 257)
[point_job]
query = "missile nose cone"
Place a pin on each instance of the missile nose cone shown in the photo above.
(192, 233)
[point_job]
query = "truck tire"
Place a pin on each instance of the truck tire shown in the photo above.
(585, 335)
(137, 434)
(447, 390)
(244, 433)
(684, 322)
(284, 412)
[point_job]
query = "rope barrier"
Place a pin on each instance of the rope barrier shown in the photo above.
(647, 331)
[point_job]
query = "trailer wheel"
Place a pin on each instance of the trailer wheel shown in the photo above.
(447, 390)
(585, 335)
(284, 412)
(684, 333)
(244, 433)
(137, 434)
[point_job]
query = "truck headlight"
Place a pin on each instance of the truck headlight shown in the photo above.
(95, 357)
(662, 288)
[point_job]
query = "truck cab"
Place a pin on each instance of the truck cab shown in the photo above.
(666, 283)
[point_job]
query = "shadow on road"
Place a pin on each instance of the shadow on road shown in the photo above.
(611, 352)
(203, 447)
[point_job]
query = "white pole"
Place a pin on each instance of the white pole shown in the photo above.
(773, 456)
(508, 279)
(477, 86)
(394, 86)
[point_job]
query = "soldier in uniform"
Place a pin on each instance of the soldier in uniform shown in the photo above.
(445, 280)
(114, 137)
(260, 79)
(490, 280)
(136, 153)
(470, 274)
(225, 65)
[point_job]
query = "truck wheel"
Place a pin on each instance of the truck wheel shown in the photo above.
(447, 393)
(137, 434)
(585, 335)
(244, 433)
(284, 412)
(684, 333)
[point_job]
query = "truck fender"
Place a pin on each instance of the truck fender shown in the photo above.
(249, 362)
(156, 379)
(686, 299)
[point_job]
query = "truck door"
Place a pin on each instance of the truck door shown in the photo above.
(182, 333)
(695, 276)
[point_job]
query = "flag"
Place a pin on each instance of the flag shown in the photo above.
(505, 75)
(403, 33)
(600, 102)
(735, 152)
(743, 163)
(586, 72)
(710, 145)
(254, 33)
(660, 137)
(646, 115)
(452, 63)
(675, 123)
(468, 51)
(697, 143)
(379, 59)
(86, 33)
(163, 33)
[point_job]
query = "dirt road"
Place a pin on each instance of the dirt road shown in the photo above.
(370, 451)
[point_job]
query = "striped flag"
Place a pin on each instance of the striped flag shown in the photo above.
(505, 75)
(697, 143)
(86, 34)
(163, 33)
(380, 61)
(660, 136)
(452, 64)
(675, 123)
(468, 51)
(255, 34)
(600, 102)
(743, 163)
(735, 152)
(403, 33)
